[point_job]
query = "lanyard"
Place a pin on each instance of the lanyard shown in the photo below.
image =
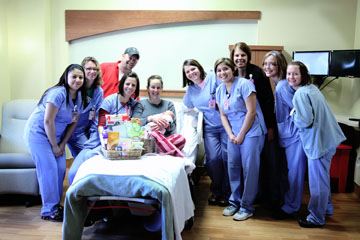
(127, 106)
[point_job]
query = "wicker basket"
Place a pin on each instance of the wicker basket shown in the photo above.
(149, 145)
(122, 155)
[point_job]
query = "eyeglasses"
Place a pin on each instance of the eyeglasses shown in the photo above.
(270, 64)
(92, 69)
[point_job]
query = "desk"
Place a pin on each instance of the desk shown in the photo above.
(344, 119)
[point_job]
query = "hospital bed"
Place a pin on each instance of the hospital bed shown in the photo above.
(152, 186)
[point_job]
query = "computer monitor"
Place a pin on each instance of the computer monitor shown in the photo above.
(317, 62)
(345, 63)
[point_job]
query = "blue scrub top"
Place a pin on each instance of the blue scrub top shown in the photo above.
(93, 105)
(233, 106)
(35, 130)
(112, 105)
(200, 98)
(288, 132)
(318, 128)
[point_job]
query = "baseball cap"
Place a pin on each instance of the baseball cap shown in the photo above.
(132, 51)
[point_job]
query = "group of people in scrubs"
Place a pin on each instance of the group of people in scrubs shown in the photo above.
(254, 119)
(309, 134)
(71, 112)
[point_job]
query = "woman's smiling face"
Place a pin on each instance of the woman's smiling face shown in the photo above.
(293, 76)
(240, 58)
(130, 86)
(270, 67)
(155, 88)
(192, 73)
(75, 79)
(224, 73)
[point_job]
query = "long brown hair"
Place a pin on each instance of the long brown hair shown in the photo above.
(192, 62)
(63, 81)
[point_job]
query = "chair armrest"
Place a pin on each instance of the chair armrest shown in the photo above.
(199, 127)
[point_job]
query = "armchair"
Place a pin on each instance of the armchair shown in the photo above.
(17, 170)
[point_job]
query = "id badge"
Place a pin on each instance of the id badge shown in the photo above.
(226, 104)
(92, 114)
(75, 114)
(128, 110)
(251, 78)
(212, 103)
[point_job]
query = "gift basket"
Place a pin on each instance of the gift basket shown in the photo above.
(121, 138)
(127, 154)
(149, 145)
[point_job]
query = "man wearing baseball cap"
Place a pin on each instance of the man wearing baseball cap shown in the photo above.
(113, 71)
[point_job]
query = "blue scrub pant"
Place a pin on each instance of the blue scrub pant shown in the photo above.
(296, 162)
(215, 144)
(319, 184)
(50, 172)
(84, 155)
(243, 165)
(76, 143)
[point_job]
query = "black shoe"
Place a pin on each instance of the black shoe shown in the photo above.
(60, 207)
(222, 202)
(57, 216)
(89, 222)
(219, 201)
(307, 224)
(280, 214)
(212, 200)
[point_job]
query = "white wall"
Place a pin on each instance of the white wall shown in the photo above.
(4, 72)
(357, 27)
(28, 45)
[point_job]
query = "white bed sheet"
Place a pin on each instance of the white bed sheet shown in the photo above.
(169, 171)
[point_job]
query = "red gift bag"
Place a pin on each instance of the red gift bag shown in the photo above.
(171, 145)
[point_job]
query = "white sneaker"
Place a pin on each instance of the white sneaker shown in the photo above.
(242, 215)
(230, 210)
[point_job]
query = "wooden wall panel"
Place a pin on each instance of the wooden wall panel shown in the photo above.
(165, 93)
(84, 23)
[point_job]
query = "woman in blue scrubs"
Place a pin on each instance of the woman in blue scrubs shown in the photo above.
(320, 134)
(117, 103)
(200, 94)
(274, 66)
(86, 129)
(244, 123)
(270, 192)
(47, 131)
